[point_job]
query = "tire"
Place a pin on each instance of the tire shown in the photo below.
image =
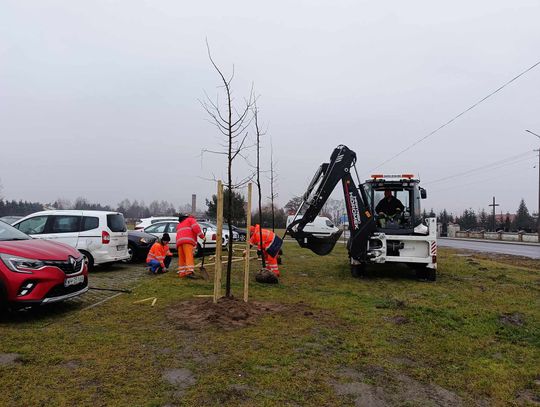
(132, 254)
(426, 273)
(89, 259)
(358, 270)
(198, 251)
(4, 306)
(242, 238)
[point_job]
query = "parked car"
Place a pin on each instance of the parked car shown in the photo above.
(242, 233)
(36, 271)
(321, 226)
(157, 229)
(212, 226)
(100, 236)
(145, 222)
(10, 220)
(139, 244)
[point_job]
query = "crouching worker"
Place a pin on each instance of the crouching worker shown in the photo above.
(270, 246)
(187, 232)
(159, 257)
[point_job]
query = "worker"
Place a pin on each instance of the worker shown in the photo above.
(159, 257)
(388, 207)
(187, 232)
(270, 246)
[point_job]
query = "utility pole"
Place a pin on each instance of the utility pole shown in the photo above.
(538, 213)
(494, 205)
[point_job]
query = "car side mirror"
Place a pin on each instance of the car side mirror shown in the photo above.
(423, 193)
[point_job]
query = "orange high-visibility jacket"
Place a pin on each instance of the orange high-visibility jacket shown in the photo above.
(187, 232)
(158, 252)
(267, 238)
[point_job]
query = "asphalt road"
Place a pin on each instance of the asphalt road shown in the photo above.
(532, 251)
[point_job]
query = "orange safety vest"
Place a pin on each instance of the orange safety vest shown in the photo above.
(267, 238)
(187, 232)
(158, 252)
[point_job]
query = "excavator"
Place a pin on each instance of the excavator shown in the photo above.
(404, 237)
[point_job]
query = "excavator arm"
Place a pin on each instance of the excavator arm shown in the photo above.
(361, 222)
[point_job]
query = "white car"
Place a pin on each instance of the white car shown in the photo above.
(159, 228)
(100, 236)
(321, 226)
(211, 225)
(145, 222)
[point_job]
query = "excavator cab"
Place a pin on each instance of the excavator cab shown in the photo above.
(406, 189)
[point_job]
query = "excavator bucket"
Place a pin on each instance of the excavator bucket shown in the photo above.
(317, 244)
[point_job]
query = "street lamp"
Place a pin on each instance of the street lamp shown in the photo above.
(538, 213)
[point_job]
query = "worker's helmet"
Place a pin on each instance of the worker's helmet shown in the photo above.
(165, 237)
(251, 230)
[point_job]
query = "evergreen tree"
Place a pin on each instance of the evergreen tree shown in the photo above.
(483, 220)
(468, 220)
(523, 220)
(238, 213)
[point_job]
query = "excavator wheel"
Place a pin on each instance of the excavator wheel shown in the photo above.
(358, 270)
(425, 273)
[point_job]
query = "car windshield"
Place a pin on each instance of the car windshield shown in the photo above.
(8, 232)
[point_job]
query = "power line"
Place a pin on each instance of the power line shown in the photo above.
(459, 115)
(474, 183)
(497, 164)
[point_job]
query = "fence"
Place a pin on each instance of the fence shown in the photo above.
(502, 236)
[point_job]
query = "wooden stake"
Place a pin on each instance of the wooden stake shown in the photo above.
(219, 237)
(233, 261)
(246, 264)
(146, 299)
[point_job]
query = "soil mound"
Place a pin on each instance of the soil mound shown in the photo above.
(228, 313)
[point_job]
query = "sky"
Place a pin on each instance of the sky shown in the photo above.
(101, 99)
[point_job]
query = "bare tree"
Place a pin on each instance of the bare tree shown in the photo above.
(258, 134)
(232, 122)
(273, 179)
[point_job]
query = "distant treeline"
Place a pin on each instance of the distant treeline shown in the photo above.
(19, 208)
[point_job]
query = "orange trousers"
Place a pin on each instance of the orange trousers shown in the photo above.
(271, 263)
(186, 263)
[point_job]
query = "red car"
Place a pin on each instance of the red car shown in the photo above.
(34, 271)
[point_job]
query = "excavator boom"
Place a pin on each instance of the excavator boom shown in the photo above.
(361, 222)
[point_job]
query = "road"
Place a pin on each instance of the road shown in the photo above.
(532, 251)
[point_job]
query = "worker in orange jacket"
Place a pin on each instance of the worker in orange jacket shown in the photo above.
(187, 232)
(270, 246)
(159, 257)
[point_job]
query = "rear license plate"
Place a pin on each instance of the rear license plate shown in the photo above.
(122, 247)
(73, 280)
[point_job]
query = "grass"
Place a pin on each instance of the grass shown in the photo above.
(451, 333)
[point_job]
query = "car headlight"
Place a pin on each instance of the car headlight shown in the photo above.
(143, 240)
(21, 264)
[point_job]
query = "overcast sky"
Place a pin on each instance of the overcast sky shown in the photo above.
(100, 99)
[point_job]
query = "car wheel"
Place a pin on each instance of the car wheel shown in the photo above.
(3, 299)
(198, 250)
(242, 238)
(132, 254)
(89, 259)
(358, 270)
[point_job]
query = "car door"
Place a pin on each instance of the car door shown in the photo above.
(171, 230)
(65, 229)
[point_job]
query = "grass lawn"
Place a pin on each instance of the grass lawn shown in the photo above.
(471, 338)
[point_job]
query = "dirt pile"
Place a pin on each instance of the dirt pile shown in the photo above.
(228, 313)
